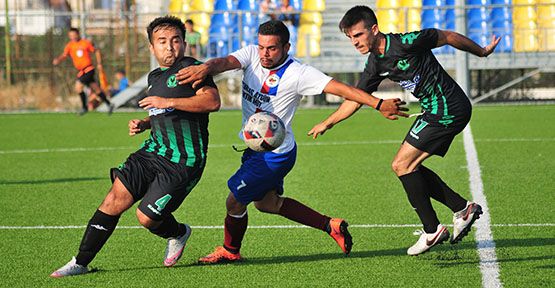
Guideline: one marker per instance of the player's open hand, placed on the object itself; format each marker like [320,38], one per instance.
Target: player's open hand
[391,108]
[319,129]
[136,126]
[155,102]
[491,47]
[194,74]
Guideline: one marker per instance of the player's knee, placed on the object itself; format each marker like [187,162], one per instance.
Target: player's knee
[264,207]
[146,221]
[399,167]
[115,204]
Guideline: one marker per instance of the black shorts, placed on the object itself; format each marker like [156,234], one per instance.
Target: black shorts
[432,137]
[87,78]
[161,184]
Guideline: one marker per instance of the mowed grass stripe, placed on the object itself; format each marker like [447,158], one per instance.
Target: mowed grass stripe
[370,226]
[321,143]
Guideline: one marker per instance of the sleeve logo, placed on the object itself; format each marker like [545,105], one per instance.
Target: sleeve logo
[409,38]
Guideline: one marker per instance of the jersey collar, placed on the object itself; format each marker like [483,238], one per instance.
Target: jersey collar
[387,42]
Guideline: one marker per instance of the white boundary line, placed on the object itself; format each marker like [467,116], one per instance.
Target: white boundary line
[363,226]
[323,143]
[484,238]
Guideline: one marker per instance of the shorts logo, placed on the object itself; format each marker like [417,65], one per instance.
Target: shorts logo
[417,127]
[162,202]
[272,80]
[242,185]
[172,82]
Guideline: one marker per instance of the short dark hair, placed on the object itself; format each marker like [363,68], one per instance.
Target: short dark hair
[121,70]
[165,22]
[357,14]
[189,21]
[73,29]
[277,28]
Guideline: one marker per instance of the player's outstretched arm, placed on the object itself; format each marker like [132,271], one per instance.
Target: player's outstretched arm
[390,108]
[197,73]
[344,111]
[463,43]
[98,56]
[59,59]
[137,126]
[207,99]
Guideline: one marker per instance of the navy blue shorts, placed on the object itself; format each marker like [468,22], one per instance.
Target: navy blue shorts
[260,172]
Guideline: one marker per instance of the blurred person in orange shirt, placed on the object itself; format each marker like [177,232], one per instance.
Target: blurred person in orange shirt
[79,50]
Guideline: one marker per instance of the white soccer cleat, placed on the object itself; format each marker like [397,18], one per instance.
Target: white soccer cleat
[175,247]
[70,269]
[463,220]
[427,241]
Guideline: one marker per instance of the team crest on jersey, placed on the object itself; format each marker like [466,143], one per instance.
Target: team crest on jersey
[272,80]
[79,53]
[172,82]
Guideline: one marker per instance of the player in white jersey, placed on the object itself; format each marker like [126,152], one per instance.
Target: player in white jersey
[273,81]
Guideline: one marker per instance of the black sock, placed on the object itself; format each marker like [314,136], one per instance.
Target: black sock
[416,186]
[441,192]
[84,100]
[98,231]
[103,97]
[169,228]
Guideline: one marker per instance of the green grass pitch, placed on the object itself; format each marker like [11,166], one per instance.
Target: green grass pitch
[54,172]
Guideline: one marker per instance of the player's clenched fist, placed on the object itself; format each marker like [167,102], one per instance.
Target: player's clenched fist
[137,126]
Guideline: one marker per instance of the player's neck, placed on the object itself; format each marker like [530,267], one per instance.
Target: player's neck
[379,44]
[281,61]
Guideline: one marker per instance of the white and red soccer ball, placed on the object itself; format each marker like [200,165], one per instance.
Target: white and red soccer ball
[264,131]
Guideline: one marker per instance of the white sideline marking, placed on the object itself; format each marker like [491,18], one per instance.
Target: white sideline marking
[324,143]
[484,238]
[366,226]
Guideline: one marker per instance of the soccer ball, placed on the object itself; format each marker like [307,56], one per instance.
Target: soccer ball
[264,131]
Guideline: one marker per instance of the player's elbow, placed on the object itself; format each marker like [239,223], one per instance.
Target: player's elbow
[214,106]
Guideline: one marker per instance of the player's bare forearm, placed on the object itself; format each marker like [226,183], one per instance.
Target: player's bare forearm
[388,108]
[98,57]
[463,43]
[206,100]
[195,74]
[345,110]
[59,59]
[351,93]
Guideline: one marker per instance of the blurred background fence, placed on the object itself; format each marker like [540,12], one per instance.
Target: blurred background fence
[34,32]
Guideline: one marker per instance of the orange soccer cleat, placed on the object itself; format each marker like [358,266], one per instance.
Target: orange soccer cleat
[220,255]
[339,233]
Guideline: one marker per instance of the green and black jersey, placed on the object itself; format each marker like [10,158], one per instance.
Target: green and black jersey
[409,61]
[179,136]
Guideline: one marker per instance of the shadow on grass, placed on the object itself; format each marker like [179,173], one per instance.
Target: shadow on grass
[450,258]
[48,181]
[270,260]
[446,255]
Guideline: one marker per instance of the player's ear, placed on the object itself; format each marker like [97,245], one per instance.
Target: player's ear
[151,48]
[375,29]
[286,48]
